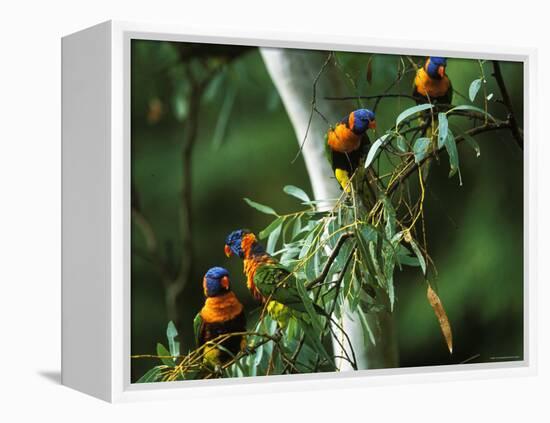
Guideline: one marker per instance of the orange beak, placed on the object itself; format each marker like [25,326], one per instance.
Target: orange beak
[225,282]
[441,71]
[372,124]
[227,250]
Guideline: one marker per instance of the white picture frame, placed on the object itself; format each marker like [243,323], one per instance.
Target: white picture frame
[96,213]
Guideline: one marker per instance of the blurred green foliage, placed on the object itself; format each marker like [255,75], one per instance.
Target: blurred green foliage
[244,148]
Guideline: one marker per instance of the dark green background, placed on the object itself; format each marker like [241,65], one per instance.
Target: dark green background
[475,231]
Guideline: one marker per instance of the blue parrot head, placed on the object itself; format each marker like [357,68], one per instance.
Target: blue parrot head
[234,244]
[216,282]
[435,67]
[360,120]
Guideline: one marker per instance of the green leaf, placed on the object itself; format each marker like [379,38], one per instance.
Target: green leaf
[374,149]
[472,108]
[377,262]
[402,144]
[258,355]
[273,238]
[365,325]
[197,322]
[308,304]
[315,331]
[418,253]
[450,146]
[314,337]
[260,207]
[152,375]
[363,248]
[411,111]
[474,88]
[407,260]
[271,227]
[297,227]
[420,149]
[164,353]
[296,192]
[443,129]
[389,254]
[472,143]
[389,214]
[171,334]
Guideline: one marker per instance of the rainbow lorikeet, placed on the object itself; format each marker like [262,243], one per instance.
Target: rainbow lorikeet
[431,83]
[267,279]
[348,143]
[221,314]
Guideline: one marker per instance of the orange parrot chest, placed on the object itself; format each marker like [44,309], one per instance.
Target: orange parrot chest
[429,87]
[343,139]
[221,309]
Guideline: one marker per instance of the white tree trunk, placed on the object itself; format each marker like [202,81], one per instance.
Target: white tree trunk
[293,73]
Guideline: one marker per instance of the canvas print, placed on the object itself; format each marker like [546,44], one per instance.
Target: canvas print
[301,211]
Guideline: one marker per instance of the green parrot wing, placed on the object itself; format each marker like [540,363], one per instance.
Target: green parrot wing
[274,281]
[197,328]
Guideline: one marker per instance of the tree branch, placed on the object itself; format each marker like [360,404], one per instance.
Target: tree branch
[319,279]
[369,97]
[514,126]
[412,166]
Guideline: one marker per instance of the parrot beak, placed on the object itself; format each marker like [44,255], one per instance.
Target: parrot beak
[227,250]
[225,282]
[441,71]
[372,124]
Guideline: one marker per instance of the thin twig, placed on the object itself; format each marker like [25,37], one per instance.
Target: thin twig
[329,261]
[313,105]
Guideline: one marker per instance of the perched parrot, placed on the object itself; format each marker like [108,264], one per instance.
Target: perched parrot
[221,314]
[267,280]
[348,143]
[431,83]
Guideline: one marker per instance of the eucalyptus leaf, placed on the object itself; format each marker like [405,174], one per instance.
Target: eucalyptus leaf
[260,207]
[365,325]
[418,253]
[297,227]
[450,146]
[152,375]
[408,260]
[271,227]
[443,129]
[472,108]
[402,144]
[420,149]
[171,334]
[374,149]
[165,355]
[296,192]
[472,143]
[411,111]
[474,89]
[273,238]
